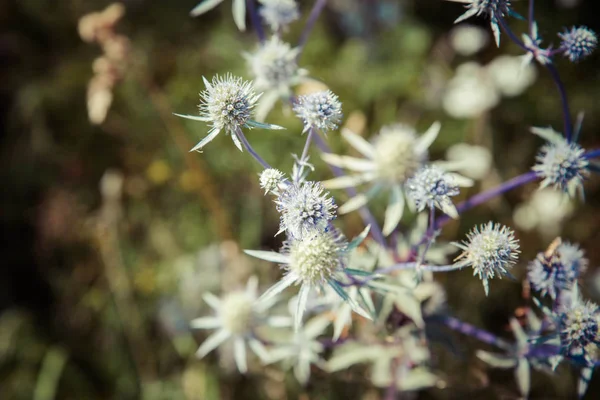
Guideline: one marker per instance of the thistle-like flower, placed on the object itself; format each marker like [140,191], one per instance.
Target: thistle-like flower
[270,179]
[278,14]
[227,103]
[491,250]
[275,71]
[319,110]
[312,262]
[431,187]
[579,322]
[557,268]
[561,164]
[578,43]
[238,9]
[494,9]
[236,317]
[305,208]
[393,157]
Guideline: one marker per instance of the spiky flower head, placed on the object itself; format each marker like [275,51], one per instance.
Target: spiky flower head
[491,250]
[432,187]
[578,326]
[279,14]
[274,65]
[563,166]
[319,110]
[557,268]
[494,9]
[305,208]
[314,259]
[578,43]
[270,179]
[398,154]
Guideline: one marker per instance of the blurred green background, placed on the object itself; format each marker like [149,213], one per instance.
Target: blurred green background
[111,231]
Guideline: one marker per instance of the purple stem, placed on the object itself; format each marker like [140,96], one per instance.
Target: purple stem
[364,211]
[255,20]
[473,331]
[310,23]
[482,197]
[543,351]
[592,154]
[531,16]
[568,124]
[248,147]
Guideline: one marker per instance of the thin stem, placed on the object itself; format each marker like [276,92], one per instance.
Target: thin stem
[310,23]
[531,15]
[592,154]
[365,213]
[470,330]
[510,33]
[482,197]
[568,125]
[255,20]
[247,146]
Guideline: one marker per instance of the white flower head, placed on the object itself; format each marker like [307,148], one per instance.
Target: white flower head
[395,154]
[279,14]
[432,187]
[561,164]
[467,40]
[470,92]
[274,66]
[491,250]
[319,110]
[237,314]
[579,324]
[304,208]
[270,179]
[510,76]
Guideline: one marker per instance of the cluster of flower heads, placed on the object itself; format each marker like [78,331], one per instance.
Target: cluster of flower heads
[390,284]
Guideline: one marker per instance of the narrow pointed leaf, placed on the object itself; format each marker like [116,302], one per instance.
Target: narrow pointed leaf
[239,14]
[255,124]
[268,256]
[204,6]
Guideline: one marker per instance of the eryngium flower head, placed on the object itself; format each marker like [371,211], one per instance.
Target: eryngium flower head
[270,179]
[432,187]
[491,250]
[493,8]
[578,328]
[578,43]
[398,152]
[274,65]
[279,13]
[557,268]
[305,208]
[563,166]
[319,110]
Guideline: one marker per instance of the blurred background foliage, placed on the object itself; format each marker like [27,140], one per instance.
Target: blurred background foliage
[112,231]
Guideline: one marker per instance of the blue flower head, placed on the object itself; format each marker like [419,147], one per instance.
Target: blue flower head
[578,43]
[578,326]
[319,110]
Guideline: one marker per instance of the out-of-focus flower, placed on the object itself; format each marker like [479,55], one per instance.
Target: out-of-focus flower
[470,92]
[319,110]
[557,268]
[510,76]
[395,154]
[469,160]
[237,314]
[467,40]
[278,14]
[545,211]
[238,9]
[578,43]
[491,250]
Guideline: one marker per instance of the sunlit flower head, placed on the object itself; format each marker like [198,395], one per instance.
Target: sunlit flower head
[394,156]
[561,164]
[270,179]
[578,43]
[491,250]
[319,110]
[237,314]
[557,268]
[305,208]
[279,14]
[431,187]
